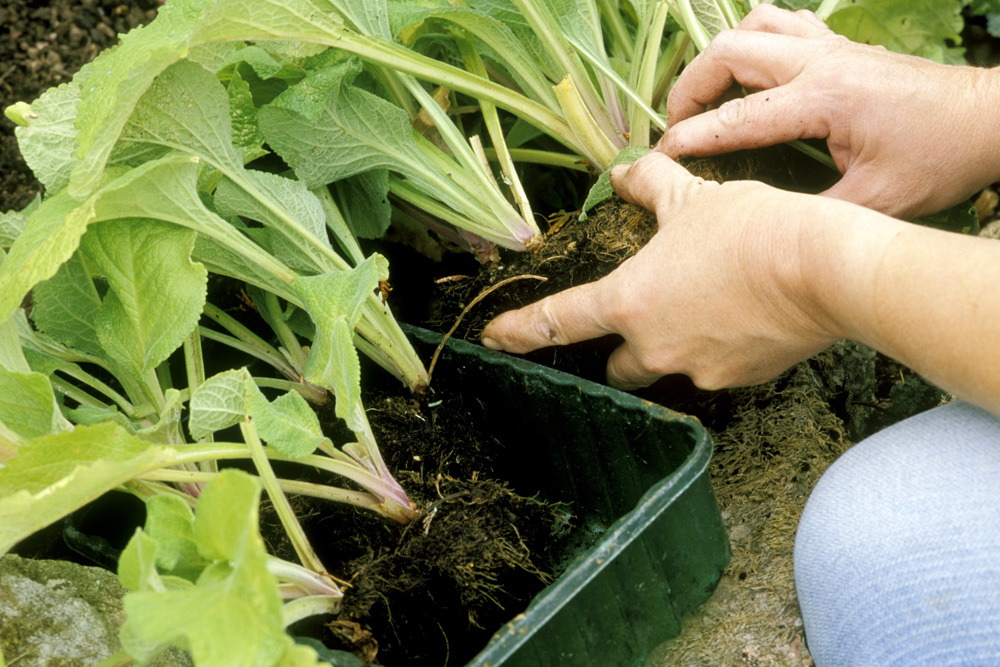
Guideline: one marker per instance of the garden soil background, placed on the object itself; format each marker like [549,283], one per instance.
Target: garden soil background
[772,442]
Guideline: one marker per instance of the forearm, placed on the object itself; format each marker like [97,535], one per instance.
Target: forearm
[921,296]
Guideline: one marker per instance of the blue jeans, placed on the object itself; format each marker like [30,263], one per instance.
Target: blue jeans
[897,556]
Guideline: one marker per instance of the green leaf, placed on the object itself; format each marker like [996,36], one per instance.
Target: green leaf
[287,424]
[12,222]
[156,292]
[327,129]
[67,307]
[55,474]
[602,190]
[117,81]
[137,564]
[280,20]
[11,353]
[900,26]
[167,429]
[233,615]
[187,109]
[364,202]
[28,405]
[52,232]
[283,205]
[51,235]
[220,402]
[48,139]
[961,219]
[334,302]
[246,133]
[170,522]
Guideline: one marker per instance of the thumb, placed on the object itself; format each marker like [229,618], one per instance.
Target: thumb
[654,180]
[625,370]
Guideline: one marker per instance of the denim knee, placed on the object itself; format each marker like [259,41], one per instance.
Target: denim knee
[897,556]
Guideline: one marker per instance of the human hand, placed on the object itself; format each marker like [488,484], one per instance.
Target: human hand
[911,137]
[716,294]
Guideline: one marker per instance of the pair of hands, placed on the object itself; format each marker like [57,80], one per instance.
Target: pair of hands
[724,292]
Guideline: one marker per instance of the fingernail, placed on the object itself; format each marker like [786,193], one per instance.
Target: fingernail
[492,344]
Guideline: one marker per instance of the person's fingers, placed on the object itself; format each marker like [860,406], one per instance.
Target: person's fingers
[752,59]
[768,18]
[567,317]
[625,371]
[762,119]
[653,180]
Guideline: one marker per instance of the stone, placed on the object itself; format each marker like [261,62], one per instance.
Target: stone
[61,614]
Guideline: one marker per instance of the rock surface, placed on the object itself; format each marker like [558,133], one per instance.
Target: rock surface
[61,614]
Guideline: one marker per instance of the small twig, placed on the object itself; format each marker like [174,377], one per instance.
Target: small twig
[482,295]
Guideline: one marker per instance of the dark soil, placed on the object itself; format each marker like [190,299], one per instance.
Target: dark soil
[435,591]
[42,44]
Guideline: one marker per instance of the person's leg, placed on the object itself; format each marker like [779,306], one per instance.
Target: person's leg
[897,556]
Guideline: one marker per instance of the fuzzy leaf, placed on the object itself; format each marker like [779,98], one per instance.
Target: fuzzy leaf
[118,79]
[156,292]
[602,190]
[12,222]
[187,109]
[334,302]
[137,564]
[900,26]
[55,474]
[51,235]
[279,20]
[364,202]
[246,133]
[48,141]
[220,402]
[170,521]
[67,307]
[28,405]
[298,217]
[233,615]
[327,129]
[287,424]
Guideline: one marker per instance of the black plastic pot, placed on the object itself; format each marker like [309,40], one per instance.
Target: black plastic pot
[652,544]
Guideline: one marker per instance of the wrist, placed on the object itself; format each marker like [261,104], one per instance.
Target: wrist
[840,247]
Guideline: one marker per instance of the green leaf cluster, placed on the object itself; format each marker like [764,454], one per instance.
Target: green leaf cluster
[200,581]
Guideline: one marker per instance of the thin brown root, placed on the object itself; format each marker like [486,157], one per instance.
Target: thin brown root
[482,295]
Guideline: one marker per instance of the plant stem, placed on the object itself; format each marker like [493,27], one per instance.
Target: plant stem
[338,225]
[309,392]
[644,78]
[285,512]
[312,605]
[616,26]
[342,465]
[544,25]
[245,340]
[74,392]
[535,156]
[668,66]
[287,337]
[602,150]
[489,111]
